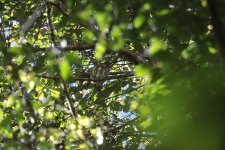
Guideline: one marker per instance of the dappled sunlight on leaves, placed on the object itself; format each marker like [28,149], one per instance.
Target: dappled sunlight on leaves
[112,74]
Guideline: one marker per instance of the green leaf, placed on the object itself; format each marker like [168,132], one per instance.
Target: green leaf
[118,41]
[89,36]
[204,3]
[142,71]
[163,12]
[144,110]
[156,46]
[73,58]
[145,124]
[65,69]
[1,115]
[103,19]
[138,21]
[15,50]
[147,6]
[212,50]
[12,99]
[116,32]
[100,50]
[5,127]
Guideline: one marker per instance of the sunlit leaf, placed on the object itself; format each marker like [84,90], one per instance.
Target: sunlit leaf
[156,46]
[15,50]
[65,69]
[100,50]
[73,58]
[145,124]
[138,21]
[163,12]
[212,50]
[142,71]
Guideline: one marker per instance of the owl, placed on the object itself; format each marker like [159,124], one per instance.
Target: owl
[100,71]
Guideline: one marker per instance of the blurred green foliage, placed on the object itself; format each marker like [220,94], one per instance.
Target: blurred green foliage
[115,74]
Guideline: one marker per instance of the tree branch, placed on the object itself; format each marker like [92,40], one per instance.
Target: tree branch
[90,79]
[125,53]
[66,14]
[83,47]
[60,8]
[122,126]
[37,12]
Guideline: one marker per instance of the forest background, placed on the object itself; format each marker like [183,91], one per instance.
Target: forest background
[119,74]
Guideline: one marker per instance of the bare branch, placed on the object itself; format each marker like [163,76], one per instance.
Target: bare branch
[32,19]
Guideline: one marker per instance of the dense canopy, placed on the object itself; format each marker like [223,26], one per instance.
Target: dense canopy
[119,74]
